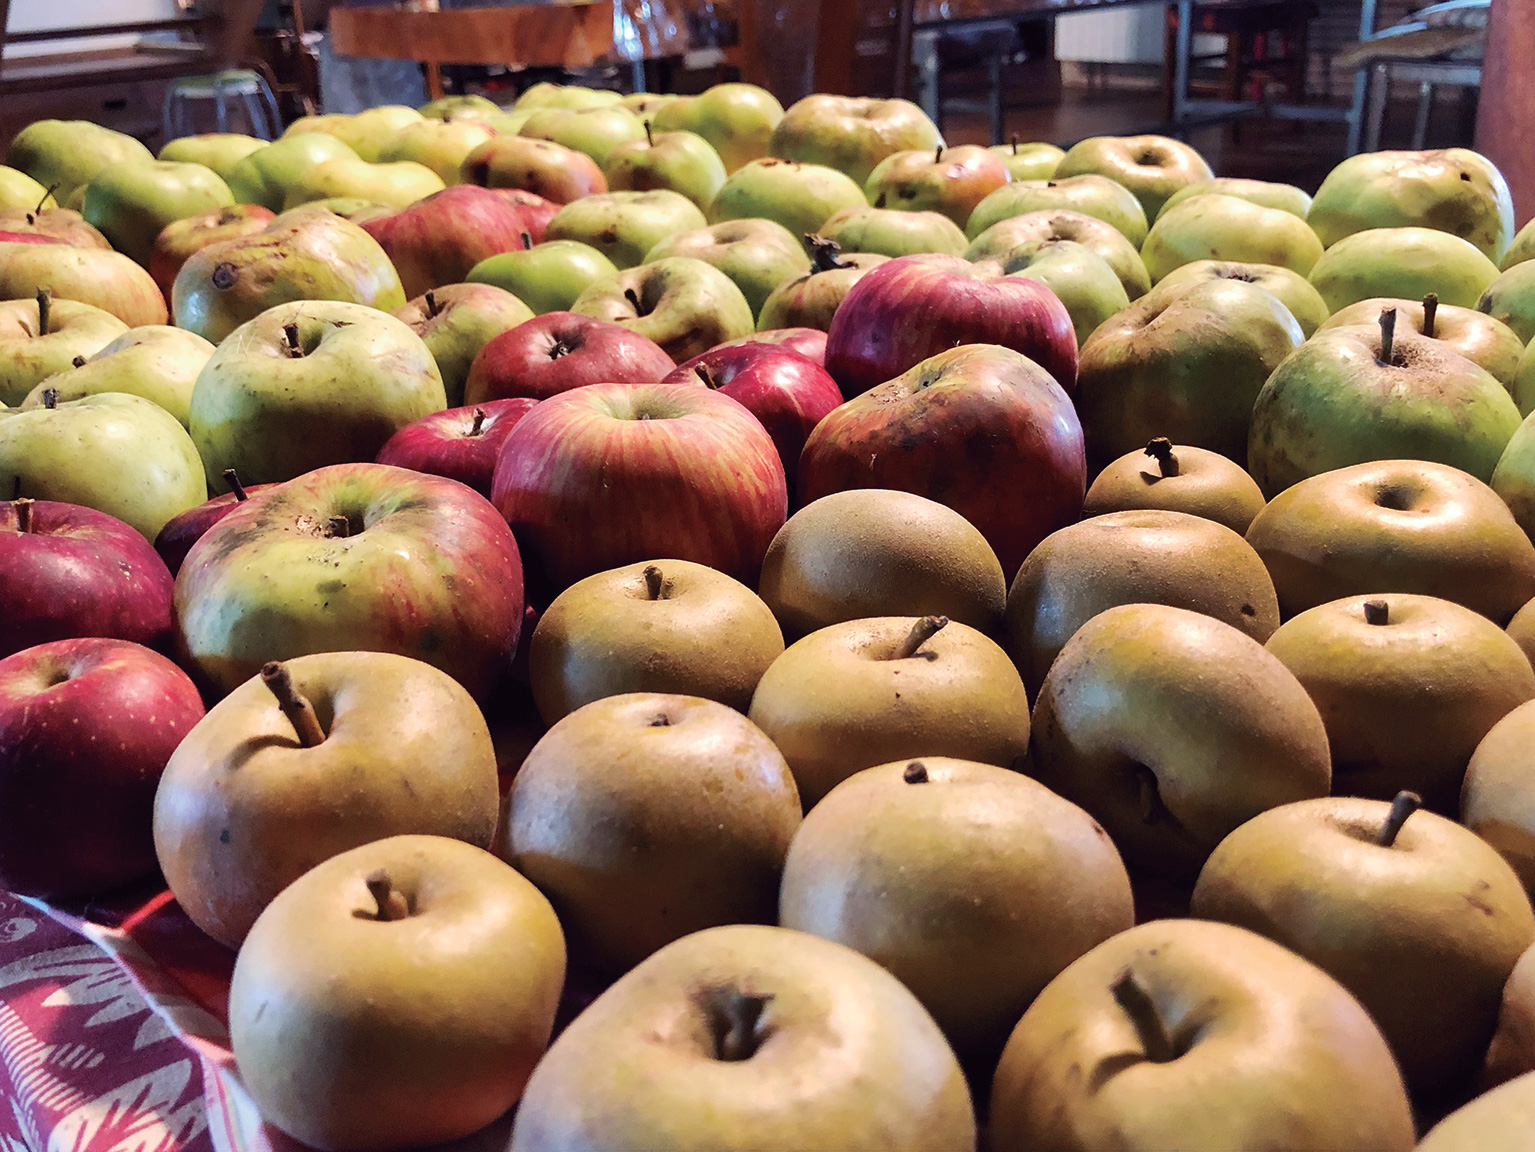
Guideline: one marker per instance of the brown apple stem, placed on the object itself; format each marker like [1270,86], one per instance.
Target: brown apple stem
[825,254]
[391,902]
[921,632]
[1015,144]
[232,478]
[1405,804]
[649,139]
[1377,612]
[297,708]
[290,334]
[655,583]
[916,773]
[44,310]
[78,362]
[338,527]
[1387,334]
[706,376]
[735,1020]
[52,188]
[938,154]
[527,241]
[478,427]
[432,307]
[23,508]
[1430,311]
[50,398]
[1162,449]
[634,301]
[1137,1004]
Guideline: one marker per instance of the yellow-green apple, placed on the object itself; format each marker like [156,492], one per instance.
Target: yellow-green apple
[1522,629]
[1407,685]
[545,94]
[460,107]
[609,474]
[684,162]
[220,151]
[925,430]
[1293,290]
[656,626]
[1514,477]
[67,571]
[738,119]
[750,1037]
[811,299]
[306,385]
[42,337]
[1029,161]
[1177,478]
[895,863]
[683,304]
[872,340]
[950,181]
[1172,729]
[1217,227]
[880,552]
[441,145]
[893,231]
[1407,263]
[132,200]
[116,453]
[547,277]
[1187,368]
[1091,195]
[63,155]
[1453,190]
[758,255]
[630,799]
[1497,801]
[18,190]
[159,363]
[550,170]
[558,351]
[60,225]
[1522,249]
[265,176]
[1138,557]
[369,132]
[1285,197]
[397,184]
[1129,1046]
[459,443]
[645,104]
[1019,235]
[625,226]
[438,239]
[455,321]
[597,132]
[183,530]
[851,133]
[178,240]
[1416,916]
[799,196]
[1152,167]
[86,728]
[1395,526]
[310,255]
[1082,280]
[399,994]
[1350,395]
[1476,336]
[97,276]
[1511,299]
[1499,1118]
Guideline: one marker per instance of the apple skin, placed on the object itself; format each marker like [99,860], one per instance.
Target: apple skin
[60,225]
[558,351]
[543,167]
[1483,340]
[548,277]
[626,226]
[947,180]
[979,428]
[220,151]
[175,540]
[29,356]
[441,145]
[1217,227]
[893,231]
[682,161]
[455,321]
[597,132]
[1017,235]
[264,176]
[159,363]
[536,210]
[1291,289]
[611,474]
[1402,262]
[426,550]
[459,443]
[18,190]
[1285,197]
[1511,299]
[851,133]
[86,728]
[872,338]
[812,299]
[78,572]
[684,305]
[1090,194]
[180,238]
[788,393]
[808,342]
[738,119]
[1152,167]
[438,239]
[798,196]
[1030,161]
[132,200]
[68,153]
[106,279]
[1081,279]
[758,255]
[396,184]
[1514,477]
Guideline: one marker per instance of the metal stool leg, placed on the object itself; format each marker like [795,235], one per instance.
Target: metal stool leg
[1375,112]
[994,103]
[1425,106]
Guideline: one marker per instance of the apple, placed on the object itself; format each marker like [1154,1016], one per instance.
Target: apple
[1495,803]
[950,181]
[132,200]
[1522,249]
[1514,477]
[179,239]
[99,277]
[683,304]
[547,277]
[558,351]
[175,540]
[459,443]
[86,727]
[1290,288]
[67,571]
[1152,167]
[1285,197]
[1029,161]
[551,170]
[683,162]
[64,154]
[438,239]
[1511,299]
[42,337]
[58,225]
[893,231]
[545,94]
[159,363]
[798,196]
[368,132]
[1177,478]
[1406,263]
[808,342]
[812,299]
[614,473]
[597,132]
[980,428]
[1019,235]
[1092,195]
[757,255]
[1481,339]
[265,176]
[219,151]
[626,226]
[441,145]
[851,134]
[738,119]
[1497,1117]
[872,340]
[1218,227]
[18,190]
[536,211]
[397,184]
[1082,281]
[455,321]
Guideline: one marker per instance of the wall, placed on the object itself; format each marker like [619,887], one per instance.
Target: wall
[40,15]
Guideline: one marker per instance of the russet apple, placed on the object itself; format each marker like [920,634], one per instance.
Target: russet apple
[1497,801]
[1177,478]
[1499,1118]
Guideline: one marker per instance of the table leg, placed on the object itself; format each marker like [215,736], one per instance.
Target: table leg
[1185,39]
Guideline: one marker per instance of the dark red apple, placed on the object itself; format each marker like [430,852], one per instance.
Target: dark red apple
[436,240]
[914,307]
[459,443]
[614,473]
[68,571]
[181,532]
[980,428]
[788,392]
[558,351]
[808,342]
[536,211]
[86,727]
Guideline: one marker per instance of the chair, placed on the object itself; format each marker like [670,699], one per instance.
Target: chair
[246,85]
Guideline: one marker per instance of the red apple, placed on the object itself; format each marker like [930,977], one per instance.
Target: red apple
[86,727]
[979,428]
[67,571]
[611,474]
[914,307]
[181,532]
[436,240]
[788,392]
[28,238]
[539,166]
[536,211]
[558,351]
[808,342]
[459,443]
[179,239]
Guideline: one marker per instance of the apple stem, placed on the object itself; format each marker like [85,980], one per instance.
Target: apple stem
[50,398]
[825,254]
[432,307]
[916,773]
[735,1019]
[478,427]
[654,582]
[921,632]
[527,241]
[52,188]
[706,376]
[23,508]
[297,708]
[1430,311]
[44,310]
[391,903]
[232,478]
[1015,144]
[1405,804]
[1162,448]
[290,334]
[938,154]
[78,362]
[1387,334]
[1138,1005]
[634,301]
[338,527]
[1377,612]
[649,139]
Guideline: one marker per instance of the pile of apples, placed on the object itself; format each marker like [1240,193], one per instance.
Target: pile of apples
[870,642]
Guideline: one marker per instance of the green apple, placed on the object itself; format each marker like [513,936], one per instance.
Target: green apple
[801,197]
[265,175]
[893,231]
[398,184]
[456,321]
[1285,197]
[851,133]
[1092,195]
[683,304]
[594,131]
[811,299]
[1408,263]
[310,254]
[1453,190]
[469,106]
[1018,234]
[98,276]
[1514,477]
[625,226]
[1511,299]
[681,161]
[1293,290]
[1031,161]
[132,200]
[1151,167]
[1080,278]
[738,119]
[65,154]
[353,208]
[157,362]
[1522,249]
[1524,381]
[646,104]
[1217,227]
[306,385]
[1476,336]
[574,96]
[947,180]
[43,336]
[369,132]
[220,151]
[547,277]
[441,145]
[18,190]
[758,255]
[119,454]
